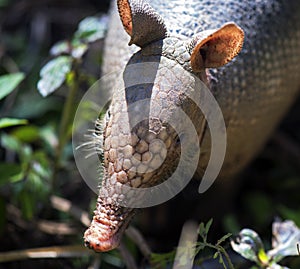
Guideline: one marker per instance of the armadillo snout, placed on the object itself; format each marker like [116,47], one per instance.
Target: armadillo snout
[147,159]
[107,226]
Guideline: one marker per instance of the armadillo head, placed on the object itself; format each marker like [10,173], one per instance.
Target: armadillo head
[144,128]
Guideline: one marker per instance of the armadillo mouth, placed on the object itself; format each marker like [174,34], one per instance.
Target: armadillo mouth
[94,241]
[101,240]
[104,235]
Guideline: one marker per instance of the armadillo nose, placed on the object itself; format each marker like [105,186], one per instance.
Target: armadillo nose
[107,227]
[94,240]
[99,247]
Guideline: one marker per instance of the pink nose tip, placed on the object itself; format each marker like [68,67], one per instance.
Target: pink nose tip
[100,241]
[99,247]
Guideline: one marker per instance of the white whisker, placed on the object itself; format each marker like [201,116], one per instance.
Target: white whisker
[91,154]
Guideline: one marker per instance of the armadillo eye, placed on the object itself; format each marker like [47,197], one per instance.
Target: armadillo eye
[179,138]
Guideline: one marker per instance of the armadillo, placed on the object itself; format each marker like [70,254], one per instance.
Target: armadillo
[247,53]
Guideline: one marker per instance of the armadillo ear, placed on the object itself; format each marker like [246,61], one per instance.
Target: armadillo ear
[141,22]
[215,48]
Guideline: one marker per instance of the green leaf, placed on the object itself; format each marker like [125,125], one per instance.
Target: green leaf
[201,230]
[8,122]
[286,236]
[27,134]
[262,256]
[9,82]
[53,74]
[8,171]
[25,153]
[41,165]
[91,29]
[204,229]
[223,239]
[221,261]
[28,205]
[60,48]
[79,49]
[248,244]
[49,137]
[10,143]
[208,225]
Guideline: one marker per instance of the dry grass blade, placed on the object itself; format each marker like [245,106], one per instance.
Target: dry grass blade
[139,240]
[127,257]
[47,252]
[67,206]
[56,228]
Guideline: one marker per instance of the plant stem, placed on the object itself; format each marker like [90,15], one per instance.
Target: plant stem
[223,251]
[67,117]
[46,252]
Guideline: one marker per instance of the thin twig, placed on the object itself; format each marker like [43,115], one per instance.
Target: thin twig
[47,252]
[127,257]
[66,206]
[96,263]
[64,133]
[46,226]
[139,240]
[222,251]
[56,228]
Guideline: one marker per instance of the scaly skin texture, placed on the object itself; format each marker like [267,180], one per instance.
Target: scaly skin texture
[254,91]
[136,158]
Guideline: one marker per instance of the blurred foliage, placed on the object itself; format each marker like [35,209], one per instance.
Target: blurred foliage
[285,242]
[38,152]
[36,159]
[217,251]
